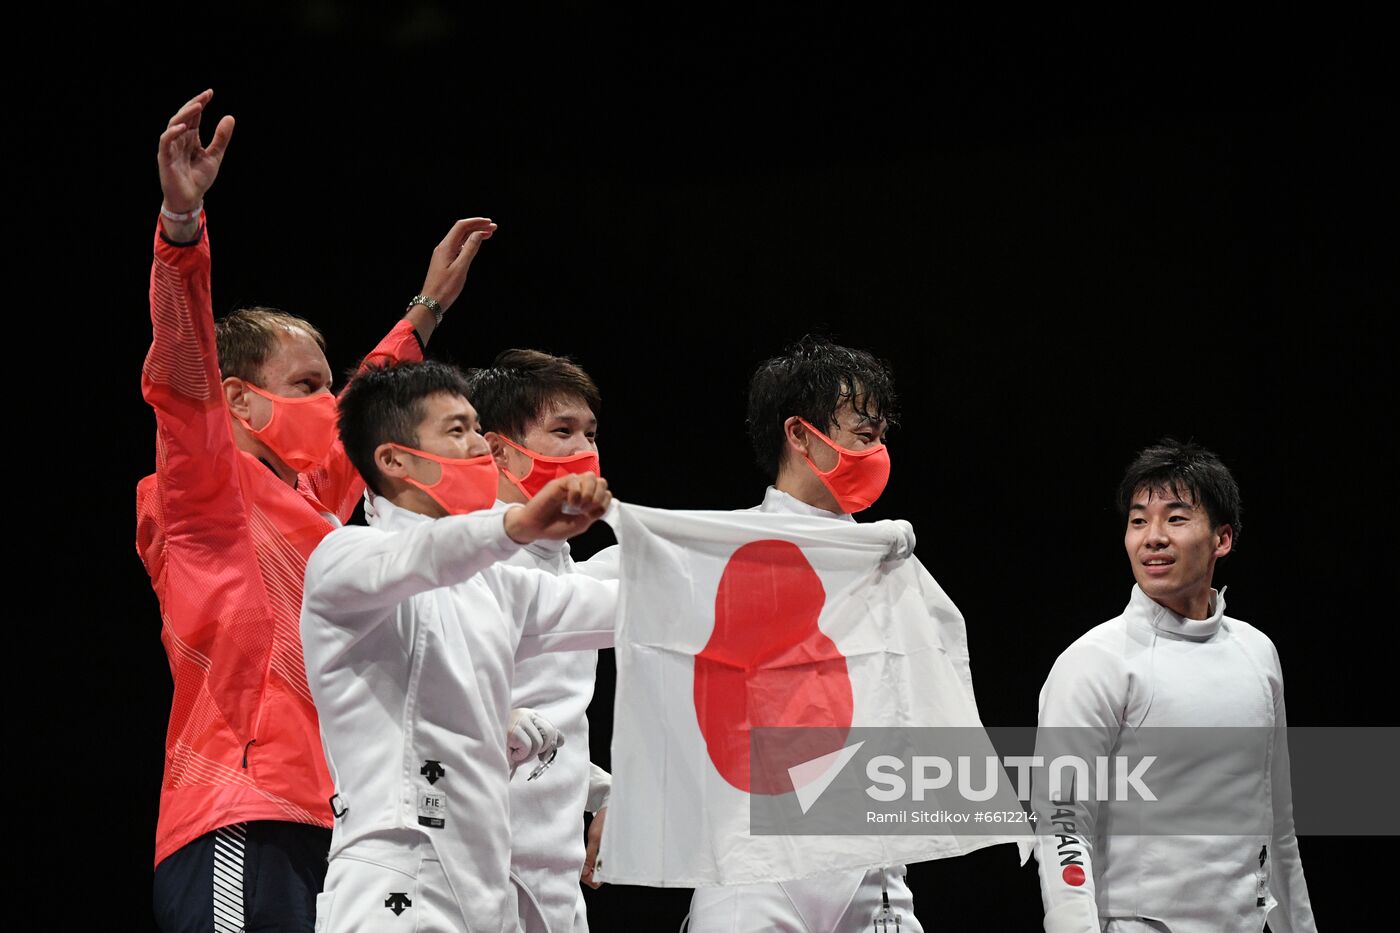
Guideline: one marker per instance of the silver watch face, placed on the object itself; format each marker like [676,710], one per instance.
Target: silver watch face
[430,303]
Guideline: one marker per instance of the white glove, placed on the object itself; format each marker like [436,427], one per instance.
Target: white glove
[902,538]
[530,735]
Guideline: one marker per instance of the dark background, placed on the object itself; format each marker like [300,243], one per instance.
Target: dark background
[1068,235]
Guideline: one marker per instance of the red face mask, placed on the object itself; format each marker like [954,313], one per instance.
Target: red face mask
[301,431]
[465,485]
[859,475]
[543,469]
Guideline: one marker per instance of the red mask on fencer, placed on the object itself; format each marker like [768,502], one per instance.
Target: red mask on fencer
[544,469]
[859,475]
[466,484]
[301,430]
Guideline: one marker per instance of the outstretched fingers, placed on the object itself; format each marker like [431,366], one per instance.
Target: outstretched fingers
[222,134]
[169,140]
[182,132]
[190,112]
[474,243]
[466,236]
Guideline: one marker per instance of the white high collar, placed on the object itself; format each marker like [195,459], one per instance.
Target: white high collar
[1166,622]
[775,500]
[381,513]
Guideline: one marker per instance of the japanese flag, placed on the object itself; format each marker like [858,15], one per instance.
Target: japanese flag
[735,621]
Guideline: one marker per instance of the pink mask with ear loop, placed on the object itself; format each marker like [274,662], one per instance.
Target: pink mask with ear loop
[859,475]
[301,431]
[544,469]
[466,484]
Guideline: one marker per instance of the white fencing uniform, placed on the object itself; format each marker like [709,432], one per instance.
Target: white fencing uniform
[1150,667]
[546,814]
[410,630]
[833,902]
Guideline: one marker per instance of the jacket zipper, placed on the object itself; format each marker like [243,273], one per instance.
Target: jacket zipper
[1263,888]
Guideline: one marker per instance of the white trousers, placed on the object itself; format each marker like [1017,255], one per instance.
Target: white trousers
[836,902]
[532,916]
[370,892]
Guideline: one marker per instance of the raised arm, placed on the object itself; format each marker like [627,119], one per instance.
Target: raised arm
[187,168]
[356,573]
[573,612]
[336,483]
[196,460]
[447,272]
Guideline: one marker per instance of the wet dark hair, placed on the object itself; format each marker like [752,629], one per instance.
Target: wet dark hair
[519,385]
[1186,471]
[811,380]
[385,404]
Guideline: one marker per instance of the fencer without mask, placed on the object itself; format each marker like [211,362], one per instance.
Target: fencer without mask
[301,430]
[859,475]
[466,484]
[544,469]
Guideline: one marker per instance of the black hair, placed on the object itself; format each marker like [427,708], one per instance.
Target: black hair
[384,404]
[513,392]
[1186,471]
[811,380]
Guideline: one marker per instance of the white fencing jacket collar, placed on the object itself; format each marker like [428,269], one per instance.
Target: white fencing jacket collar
[1143,609]
[775,500]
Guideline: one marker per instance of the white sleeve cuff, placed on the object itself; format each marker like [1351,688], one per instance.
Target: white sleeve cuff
[1079,915]
[599,788]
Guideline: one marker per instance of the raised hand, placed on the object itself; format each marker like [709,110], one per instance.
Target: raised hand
[187,168]
[447,272]
[565,507]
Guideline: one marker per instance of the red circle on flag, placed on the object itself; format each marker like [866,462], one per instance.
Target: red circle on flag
[767,664]
[1073,875]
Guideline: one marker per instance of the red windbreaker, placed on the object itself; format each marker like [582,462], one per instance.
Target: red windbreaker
[225,542]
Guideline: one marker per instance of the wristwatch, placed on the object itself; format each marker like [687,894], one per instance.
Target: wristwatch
[429,303]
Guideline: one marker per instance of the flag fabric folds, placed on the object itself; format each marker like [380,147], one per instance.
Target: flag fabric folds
[731,622]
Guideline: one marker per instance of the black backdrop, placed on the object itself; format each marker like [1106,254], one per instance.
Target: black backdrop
[1068,236]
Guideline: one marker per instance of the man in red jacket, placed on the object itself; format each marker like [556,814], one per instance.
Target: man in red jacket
[249,478]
